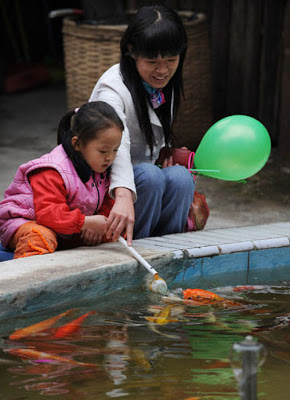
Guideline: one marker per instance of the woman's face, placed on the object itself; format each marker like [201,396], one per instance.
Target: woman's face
[157,72]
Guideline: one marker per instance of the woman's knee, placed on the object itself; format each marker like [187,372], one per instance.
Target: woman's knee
[180,178]
[149,176]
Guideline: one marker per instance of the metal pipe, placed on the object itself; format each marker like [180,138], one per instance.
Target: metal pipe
[245,358]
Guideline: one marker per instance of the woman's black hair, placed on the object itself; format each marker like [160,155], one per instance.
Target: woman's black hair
[154,31]
[87,121]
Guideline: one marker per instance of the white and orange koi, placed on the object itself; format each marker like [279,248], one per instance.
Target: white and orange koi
[41,356]
[162,317]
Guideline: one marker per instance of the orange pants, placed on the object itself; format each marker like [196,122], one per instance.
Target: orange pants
[32,239]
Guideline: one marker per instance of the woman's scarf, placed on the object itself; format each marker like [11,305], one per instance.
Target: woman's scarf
[156,95]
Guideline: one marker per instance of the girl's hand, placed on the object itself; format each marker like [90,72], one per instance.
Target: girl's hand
[122,216]
[90,238]
[93,229]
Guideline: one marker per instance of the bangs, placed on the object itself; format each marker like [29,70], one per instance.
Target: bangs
[162,39]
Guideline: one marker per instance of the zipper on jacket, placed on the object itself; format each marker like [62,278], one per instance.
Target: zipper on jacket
[96,186]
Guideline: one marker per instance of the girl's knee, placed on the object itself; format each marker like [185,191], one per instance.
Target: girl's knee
[33,239]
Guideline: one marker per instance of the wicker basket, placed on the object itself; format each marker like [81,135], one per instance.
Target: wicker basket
[89,50]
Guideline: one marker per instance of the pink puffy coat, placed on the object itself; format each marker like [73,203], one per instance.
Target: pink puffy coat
[17,207]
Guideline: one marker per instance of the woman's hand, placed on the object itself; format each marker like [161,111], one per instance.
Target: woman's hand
[168,162]
[93,229]
[122,216]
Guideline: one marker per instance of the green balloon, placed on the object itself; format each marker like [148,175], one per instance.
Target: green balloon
[234,148]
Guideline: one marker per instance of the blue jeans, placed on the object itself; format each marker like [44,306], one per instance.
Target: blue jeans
[163,199]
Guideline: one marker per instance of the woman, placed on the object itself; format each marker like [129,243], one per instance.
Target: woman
[145,89]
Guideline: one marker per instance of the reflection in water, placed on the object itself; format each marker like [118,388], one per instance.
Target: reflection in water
[147,347]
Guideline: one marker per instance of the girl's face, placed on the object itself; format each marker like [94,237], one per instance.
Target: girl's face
[157,72]
[100,153]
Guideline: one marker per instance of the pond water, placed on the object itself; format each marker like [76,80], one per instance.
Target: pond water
[137,344]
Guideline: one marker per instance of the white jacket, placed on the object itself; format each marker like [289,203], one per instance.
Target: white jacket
[133,150]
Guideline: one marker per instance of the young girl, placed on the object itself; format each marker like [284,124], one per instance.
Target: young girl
[145,89]
[57,200]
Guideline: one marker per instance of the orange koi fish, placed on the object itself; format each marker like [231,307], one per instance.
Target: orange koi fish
[40,326]
[217,364]
[71,327]
[200,295]
[193,398]
[51,346]
[45,357]
[243,288]
[205,297]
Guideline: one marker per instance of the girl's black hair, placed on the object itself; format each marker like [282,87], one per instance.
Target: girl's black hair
[155,30]
[88,121]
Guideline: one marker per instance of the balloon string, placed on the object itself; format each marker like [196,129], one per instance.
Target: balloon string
[196,170]
[204,170]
